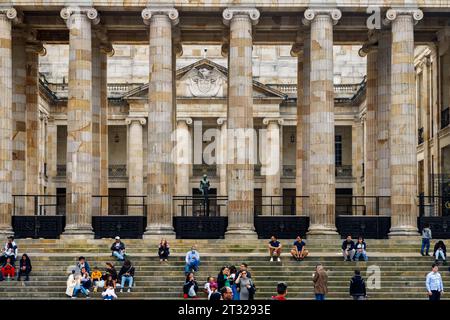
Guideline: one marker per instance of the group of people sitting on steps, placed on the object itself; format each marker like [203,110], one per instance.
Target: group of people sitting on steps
[82,279]
[8,260]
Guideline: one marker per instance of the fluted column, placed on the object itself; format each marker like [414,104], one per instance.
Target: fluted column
[271,166]
[101,50]
[383,171]
[161,122]
[240,162]
[184,157]
[322,166]
[297,51]
[79,123]
[222,157]
[52,140]
[369,50]
[357,156]
[33,129]
[402,127]
[6,17]
[135,164]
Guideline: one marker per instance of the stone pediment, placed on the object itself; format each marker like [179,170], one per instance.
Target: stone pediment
[206,79]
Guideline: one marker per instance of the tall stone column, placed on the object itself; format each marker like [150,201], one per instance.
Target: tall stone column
[101,50]
[402,126]
[222,157]
[297,51]
[240,159]
[357,156]
[369,50]
[52,140]
[135,165]
[321,162]
[383,171]
[79,123]
[19,138]
[305,119]
[33,129]
[6,203]
[161,122]
[184,157]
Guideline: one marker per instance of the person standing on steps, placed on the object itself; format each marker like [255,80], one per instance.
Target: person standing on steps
[358,287]
[281,292]
[246,287]
[274,249]
[192,261]
[299,251]
[320,280]
[434,285]
[118,249]
[440,251]
[244,267]
[204,189]
[426,237]
[348,249]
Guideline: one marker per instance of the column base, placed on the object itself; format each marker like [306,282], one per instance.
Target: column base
[322,232]
[6,232]
[403,233]
[240,233]
[76,232]
[157,232]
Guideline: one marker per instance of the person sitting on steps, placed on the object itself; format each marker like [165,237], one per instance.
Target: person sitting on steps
[9,251]
[274,248]
[126,274]
[361,249]
[348,249]
[299,251]
[82,263]
[24,267]
[8,270]
[192,261]
[190,286]
[440,251]
[118,249]
[163,250]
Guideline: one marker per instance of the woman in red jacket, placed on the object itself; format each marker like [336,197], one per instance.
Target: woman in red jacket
[8,270]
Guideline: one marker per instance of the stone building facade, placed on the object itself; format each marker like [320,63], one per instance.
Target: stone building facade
[127,111]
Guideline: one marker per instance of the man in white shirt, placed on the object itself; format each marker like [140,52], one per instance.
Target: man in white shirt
[434,284]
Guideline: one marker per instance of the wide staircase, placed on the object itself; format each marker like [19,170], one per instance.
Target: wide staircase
[401,269]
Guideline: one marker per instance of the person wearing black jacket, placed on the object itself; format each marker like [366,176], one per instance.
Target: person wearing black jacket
[126,274]
[110,270]
[24,267]
[348,248]
[440,251]
[190,287]
[358,287]
[118,249]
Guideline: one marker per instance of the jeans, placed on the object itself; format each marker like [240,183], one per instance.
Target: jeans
[118,255]
[78,289]
[425,245]
[439,252]
[320,297]
[192,266]
[124,280]
[363,254]
[435,295]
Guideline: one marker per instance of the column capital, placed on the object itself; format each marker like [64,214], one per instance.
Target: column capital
[105,45]
[187,120]
[36,47]
[267,121]
[150,12]
[311,13]
[297,50]
[232,12]
[394,13]
[221,121]
[91,13]
[130,120]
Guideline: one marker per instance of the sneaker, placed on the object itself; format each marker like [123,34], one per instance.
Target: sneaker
[129,290]
[88,297]
[74,297]
[271,259]
[279,260]
[121,290]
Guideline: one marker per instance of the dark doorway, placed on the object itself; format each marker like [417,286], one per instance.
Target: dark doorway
[117,204]
[61,201]
[199,208]
[344,202]
[289,202]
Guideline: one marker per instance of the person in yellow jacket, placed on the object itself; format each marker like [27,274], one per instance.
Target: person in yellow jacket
[97,279]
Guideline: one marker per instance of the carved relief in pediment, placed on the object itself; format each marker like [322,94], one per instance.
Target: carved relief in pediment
[204,82]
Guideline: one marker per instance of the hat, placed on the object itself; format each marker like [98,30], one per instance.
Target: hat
[117,238]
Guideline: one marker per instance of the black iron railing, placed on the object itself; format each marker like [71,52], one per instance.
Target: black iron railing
[420,138]
[445,118]
[279,205]
[200,206]
[361,205]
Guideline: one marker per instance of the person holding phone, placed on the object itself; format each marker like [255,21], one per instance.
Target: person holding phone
[246,288]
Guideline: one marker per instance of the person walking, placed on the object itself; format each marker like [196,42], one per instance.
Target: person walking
[433,282]
[320,280]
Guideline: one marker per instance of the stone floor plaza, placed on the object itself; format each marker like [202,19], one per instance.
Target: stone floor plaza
[312,118]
